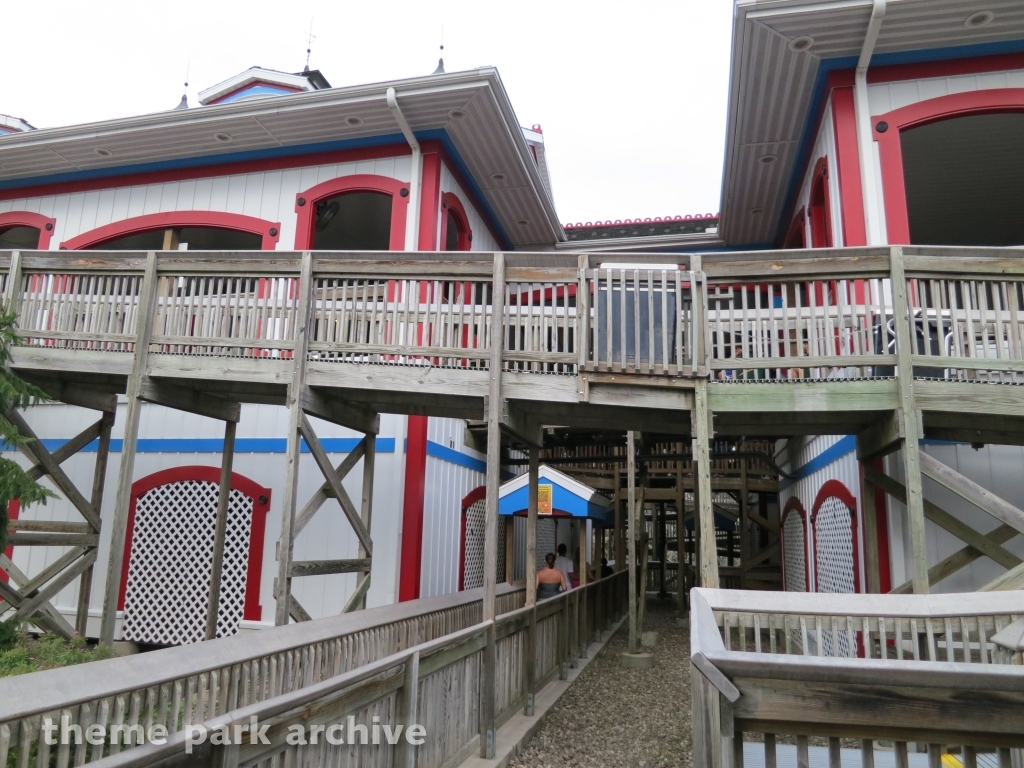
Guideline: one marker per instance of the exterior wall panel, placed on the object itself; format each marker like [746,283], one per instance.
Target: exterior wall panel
[328,535]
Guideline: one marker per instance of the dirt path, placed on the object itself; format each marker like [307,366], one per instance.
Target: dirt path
[618,718]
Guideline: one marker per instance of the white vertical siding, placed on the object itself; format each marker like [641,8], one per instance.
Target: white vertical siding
[824,146]
[268,195]
[445,487]
[806,489]
[482,238]
[328,535]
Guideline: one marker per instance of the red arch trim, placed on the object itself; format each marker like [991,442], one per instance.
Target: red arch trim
[468,500]
[796,236]
[897,221]
[836,489]
[821,224]
[270,231]
[451,202]
[27,219]
[794,505]
[252,611]
[360,182]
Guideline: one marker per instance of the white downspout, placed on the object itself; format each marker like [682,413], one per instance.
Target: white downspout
[865,140]
[412,220]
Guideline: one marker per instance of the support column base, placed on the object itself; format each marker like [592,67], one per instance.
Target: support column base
[637,660]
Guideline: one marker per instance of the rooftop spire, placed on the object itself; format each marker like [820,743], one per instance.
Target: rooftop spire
[183,104]
[310,37]
[440,61]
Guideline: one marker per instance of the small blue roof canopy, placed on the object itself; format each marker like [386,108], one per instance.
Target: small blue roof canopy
[569,498]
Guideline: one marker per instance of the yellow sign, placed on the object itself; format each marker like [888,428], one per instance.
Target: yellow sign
[544,495]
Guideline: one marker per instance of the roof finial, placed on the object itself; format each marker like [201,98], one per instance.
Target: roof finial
[310,37]
[183,104]
[440,61]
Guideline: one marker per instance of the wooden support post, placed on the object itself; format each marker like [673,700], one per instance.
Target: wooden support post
[584,635]
[618,538]
[408,711]
[911,421]
[366,512]
[680,536]
[119,524]
[493,481]
[531,527]
[744,526]
[871,553]
[99,477]
[530,662]
[702,487]
[220,531]
[631,536]
[286,544]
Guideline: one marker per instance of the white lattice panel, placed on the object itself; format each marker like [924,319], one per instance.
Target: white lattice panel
[833,546]
[171,560]
[545,539]
[473,565]
[795,549]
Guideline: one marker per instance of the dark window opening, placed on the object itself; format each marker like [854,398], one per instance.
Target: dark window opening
[190,238]
[452,231]
[19,237]
[964,180]
[353,221]
[818,213]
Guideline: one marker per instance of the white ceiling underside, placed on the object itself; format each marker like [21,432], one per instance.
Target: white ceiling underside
[487,138]
[772,86]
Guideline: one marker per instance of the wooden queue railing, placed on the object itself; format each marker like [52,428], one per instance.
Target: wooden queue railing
[863,672]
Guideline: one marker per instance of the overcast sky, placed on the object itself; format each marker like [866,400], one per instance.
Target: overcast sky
[631,95]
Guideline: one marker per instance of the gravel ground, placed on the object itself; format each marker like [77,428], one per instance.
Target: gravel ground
[618,718]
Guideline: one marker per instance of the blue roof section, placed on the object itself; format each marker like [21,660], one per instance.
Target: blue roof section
[569,497]
[256,89]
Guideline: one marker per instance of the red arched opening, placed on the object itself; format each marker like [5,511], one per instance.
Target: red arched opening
[267,232]
[796,565]
[456,234]
[836,551]
[177,519]
[819,210]
[18,228]
[796,236]
[976,203]
[318,215]
[471,541]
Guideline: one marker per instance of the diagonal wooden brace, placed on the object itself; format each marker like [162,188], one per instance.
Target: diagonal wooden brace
[70,448]
[944,520]
[322,461]
[36,451]
[970,491]
[324,492]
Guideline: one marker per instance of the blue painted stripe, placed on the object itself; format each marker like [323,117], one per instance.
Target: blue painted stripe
[844,447]
[444,453]
[834,453]
[216,445]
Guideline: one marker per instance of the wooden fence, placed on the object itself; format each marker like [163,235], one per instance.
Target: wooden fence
[770,316]
[415,662]
[863,672]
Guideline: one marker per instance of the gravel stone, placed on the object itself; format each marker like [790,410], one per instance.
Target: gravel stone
[612,717]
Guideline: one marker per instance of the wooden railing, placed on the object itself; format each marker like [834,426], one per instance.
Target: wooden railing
[759,316]
[881,672]
[416,662]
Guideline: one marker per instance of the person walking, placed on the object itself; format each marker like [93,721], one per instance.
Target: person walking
[550,580]
[565,563]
